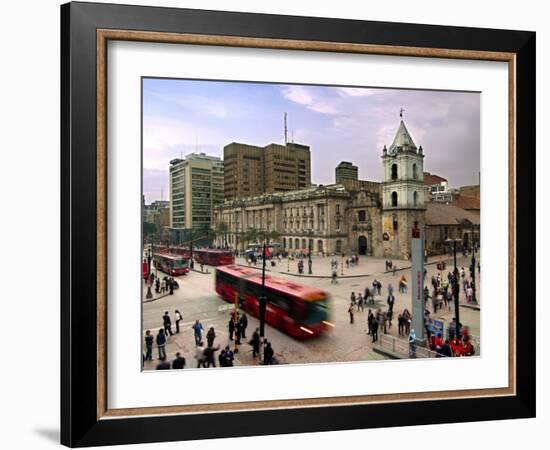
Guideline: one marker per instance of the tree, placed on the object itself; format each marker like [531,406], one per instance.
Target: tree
[222,230]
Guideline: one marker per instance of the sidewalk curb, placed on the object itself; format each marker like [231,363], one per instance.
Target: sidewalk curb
[387,353]
[156,298]
[474,307]
[329,276]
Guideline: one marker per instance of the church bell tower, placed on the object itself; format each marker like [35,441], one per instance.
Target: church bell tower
[402,193]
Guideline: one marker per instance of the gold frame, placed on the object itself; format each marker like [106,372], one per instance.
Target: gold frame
[103,36]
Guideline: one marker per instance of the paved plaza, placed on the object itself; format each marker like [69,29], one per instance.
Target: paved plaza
[196,299]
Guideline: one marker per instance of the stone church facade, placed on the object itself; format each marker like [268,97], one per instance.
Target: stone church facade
[355,217]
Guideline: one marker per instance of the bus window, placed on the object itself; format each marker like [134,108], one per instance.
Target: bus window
[315,311]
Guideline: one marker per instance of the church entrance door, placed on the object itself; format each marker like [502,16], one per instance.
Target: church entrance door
[362,245]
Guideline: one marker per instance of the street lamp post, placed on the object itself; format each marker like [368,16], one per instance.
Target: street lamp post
[263,300]
[474,299]
[342,265]
[309,262]
[456,287]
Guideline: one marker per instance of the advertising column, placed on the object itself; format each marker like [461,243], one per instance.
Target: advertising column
[417,283]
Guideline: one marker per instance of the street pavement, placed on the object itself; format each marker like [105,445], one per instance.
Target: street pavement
[196,299]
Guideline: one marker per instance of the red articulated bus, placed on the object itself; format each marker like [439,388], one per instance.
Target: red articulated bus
[298,310]
[173,265]
[213,257]
[177,250]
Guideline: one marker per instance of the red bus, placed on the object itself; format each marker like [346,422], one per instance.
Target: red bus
[298,310]
[213,257]
[179,250]
[173,265]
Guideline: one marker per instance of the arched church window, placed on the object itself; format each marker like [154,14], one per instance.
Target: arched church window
[394,171]
[415,172]
[394,198]
[415,198]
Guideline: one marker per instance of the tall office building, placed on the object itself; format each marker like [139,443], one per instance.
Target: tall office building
[251,170]
[346,171]
[196,186]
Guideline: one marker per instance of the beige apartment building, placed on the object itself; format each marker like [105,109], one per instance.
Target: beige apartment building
[252,170]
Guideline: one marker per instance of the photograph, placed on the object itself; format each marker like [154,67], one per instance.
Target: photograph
[307,224]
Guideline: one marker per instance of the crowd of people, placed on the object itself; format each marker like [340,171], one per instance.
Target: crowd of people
[205,353]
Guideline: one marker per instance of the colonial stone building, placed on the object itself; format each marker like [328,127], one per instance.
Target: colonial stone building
[354,216]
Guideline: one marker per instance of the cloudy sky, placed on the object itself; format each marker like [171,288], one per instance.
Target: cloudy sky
[351,124]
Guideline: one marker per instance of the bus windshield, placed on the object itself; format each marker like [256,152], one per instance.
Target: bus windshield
[315,312]
[180,263]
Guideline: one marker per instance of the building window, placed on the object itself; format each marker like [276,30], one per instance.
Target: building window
[296,243]
[337,224]
[415,172]
[338,246]
[415,198]
[395,224]
[394,171]
[362,215]
[284,242]
[319,246]
[337,209]
[290,243]
[394,198]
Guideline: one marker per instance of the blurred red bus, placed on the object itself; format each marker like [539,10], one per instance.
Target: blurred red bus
[213,257]
[298,310]
[179,250]
[173,265]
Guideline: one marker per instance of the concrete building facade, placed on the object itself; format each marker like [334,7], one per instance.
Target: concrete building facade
[251,170]
[346,171]
[356,216]
[196,186]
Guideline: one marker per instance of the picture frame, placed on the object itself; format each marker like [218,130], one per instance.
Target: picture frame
[86,28]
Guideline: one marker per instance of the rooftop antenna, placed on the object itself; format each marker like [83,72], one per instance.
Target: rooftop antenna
[401,111]
[286,131]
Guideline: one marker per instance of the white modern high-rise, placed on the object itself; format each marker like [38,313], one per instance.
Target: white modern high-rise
[196,185]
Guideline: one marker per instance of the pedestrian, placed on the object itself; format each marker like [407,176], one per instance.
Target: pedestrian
[167,324]
[228,357]
[231,327]
[255,343]
[352,298]
[210,336]
[360,303]
[178,317]
[157,285]
[171,285]
[197,331]
[179,362]
[238,334]
[244,324]
[412,344]
[199,354]
[209,356]
[334,279]
[469,293]
[390,301]
[221,358]
[374,329]
[390,289]
[370,318]
[163,365]
[161,344]
[268,354]
[350,312]
[149,345]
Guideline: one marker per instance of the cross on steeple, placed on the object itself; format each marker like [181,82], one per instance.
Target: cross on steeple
[401,111]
